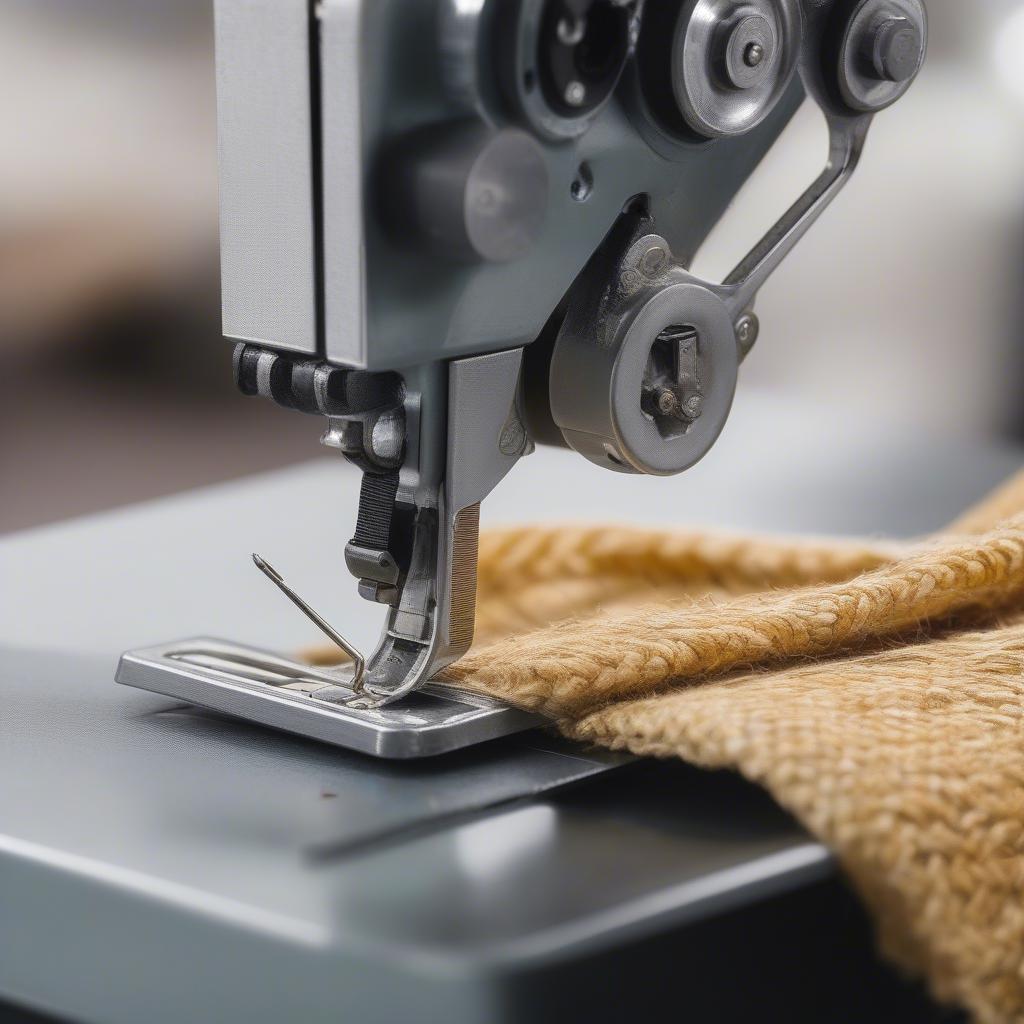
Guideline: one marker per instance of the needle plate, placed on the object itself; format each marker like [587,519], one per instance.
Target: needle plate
[258,686]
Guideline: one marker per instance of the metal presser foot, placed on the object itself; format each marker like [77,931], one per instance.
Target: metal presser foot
[453,247]
[327,704]
[386,705]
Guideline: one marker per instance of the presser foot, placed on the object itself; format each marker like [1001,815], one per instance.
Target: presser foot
[319,703]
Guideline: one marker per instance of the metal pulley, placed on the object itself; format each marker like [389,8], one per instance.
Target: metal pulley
[651,390]
[880,51]
[732,61]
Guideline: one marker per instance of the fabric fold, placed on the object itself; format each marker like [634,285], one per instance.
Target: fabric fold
[571,667]
[875,690]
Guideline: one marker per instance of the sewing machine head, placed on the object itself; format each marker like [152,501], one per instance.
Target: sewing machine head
[457,228]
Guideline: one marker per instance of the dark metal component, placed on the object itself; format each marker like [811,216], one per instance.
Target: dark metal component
[582,49]
[672,390]
[259,371]
[643,371]
[243,363]
[896,50]
[536,392]
[711,69]
[312,386]
[371,565]
[749,50]
[339,392]
[364,410]
[879,50]
[748,329]
[467,191]
[559,61]
[620,393]
[653,385]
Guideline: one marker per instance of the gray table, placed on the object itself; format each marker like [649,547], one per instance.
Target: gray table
[160,863]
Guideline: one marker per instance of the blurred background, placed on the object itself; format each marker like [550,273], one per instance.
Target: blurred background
[898,313]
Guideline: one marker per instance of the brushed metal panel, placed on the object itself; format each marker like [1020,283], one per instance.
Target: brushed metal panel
[267,203]
[342,87]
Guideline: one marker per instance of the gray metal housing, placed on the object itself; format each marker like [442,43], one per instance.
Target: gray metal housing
[310,264]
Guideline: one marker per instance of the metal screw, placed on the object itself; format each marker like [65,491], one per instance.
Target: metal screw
[746,51]
[513,438]
[694,407]
[575,93]
[668,404]
[748,327]
[654,260]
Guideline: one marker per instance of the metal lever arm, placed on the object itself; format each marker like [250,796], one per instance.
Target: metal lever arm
[431,624]
[847,139]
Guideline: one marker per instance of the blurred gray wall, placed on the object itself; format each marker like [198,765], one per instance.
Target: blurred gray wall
[904,303]
[902,307]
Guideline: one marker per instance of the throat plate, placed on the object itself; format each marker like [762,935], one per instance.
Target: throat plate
[265,688]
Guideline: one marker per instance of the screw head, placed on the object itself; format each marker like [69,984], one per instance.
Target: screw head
[668,404]
[513,438]
[654,260]
[575,93]
[694,407]
[746,56]
[748,327]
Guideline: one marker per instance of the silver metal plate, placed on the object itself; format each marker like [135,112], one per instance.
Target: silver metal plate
[266,150]
[258,686]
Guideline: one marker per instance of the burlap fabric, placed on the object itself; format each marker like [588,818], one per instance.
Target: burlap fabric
[876,690]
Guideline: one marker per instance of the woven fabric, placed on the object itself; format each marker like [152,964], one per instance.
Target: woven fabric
[876,690]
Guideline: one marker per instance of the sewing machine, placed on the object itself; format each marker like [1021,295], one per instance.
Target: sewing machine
[455,230]
[458,229]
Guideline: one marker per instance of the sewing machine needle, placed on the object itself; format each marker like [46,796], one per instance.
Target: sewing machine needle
[358,662]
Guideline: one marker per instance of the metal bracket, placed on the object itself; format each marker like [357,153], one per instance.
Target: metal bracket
[318,703]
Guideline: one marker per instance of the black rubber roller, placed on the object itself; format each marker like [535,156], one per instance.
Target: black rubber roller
[311,386]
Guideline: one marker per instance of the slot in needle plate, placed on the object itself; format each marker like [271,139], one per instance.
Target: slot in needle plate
[261,687]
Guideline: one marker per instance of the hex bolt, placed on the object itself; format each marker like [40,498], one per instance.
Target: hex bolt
[895,50]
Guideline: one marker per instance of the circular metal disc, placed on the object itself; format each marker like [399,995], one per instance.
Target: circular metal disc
[636,435]
[875,67]
[505,197]
[526,83]
[732,61]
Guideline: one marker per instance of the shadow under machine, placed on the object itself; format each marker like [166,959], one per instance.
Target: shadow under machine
[459,229]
